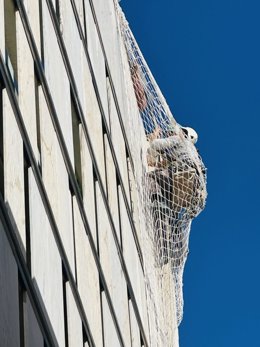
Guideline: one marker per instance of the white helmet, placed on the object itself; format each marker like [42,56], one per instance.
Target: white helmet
[190,134]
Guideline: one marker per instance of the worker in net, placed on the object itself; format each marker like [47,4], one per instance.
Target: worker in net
[176,189]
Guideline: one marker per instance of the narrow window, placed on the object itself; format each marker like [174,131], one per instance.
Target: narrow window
[119,199]
[58,13]
[130,181]
[37,84]
[85,23]
[102,299]
[64,283]
[27,209]
[21,311]
[96,187]
[41,33]
[10,40]
[105,144]
[76,144]
[74,239]
[58,9]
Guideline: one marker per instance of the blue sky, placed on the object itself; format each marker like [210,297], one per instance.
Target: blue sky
[205,56]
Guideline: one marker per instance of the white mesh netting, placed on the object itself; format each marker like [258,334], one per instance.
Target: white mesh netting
[171,189]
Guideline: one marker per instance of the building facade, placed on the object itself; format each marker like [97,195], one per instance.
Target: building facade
[71,255]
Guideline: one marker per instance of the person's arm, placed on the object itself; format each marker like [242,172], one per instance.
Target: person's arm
[138,88]
[161,144]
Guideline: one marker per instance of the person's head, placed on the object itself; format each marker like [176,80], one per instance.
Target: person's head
[190,134]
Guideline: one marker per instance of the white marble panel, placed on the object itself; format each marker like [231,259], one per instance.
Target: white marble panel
[130,253]
[112,268]
[13,169]
[57,79]
[87,277]
[135,203]
[96,57]
[93,120]
[56,181]
[110,334]
[46,267]
[75,334]
[88,184]
[118,141]
[107,21]
[135,332]
[73,44]
[107,248]
[112,188]
[143,308]
[26,95]
[33,12]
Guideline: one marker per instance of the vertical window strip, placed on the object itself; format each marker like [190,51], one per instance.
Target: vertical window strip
[10,41]
[76,145]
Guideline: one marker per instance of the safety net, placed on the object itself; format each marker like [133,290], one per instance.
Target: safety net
[172,189]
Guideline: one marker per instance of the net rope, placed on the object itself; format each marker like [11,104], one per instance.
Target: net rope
[171,188]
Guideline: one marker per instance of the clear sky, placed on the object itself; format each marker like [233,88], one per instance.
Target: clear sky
[205,56]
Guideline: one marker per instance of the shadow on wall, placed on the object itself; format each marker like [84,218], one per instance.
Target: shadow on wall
[22,306]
